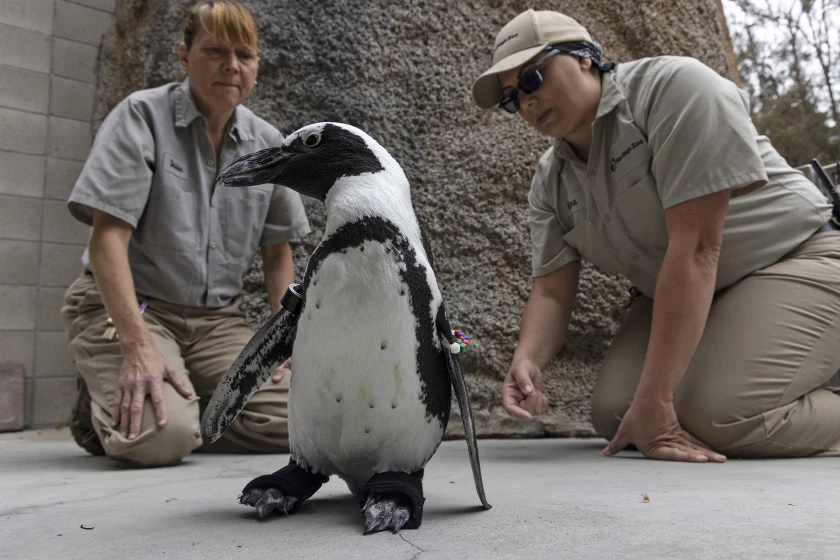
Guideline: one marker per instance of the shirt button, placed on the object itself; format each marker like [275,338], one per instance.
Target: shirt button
[211,162]
[212,244]
[606,218]
[634,257]
[590,173]
[213,202]
[212,285]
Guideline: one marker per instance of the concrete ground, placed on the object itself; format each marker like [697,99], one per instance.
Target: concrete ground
[552,499]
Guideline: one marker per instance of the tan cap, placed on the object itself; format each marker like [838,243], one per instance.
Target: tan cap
[519,41]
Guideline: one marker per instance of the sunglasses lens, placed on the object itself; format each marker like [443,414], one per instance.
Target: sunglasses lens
[530,81]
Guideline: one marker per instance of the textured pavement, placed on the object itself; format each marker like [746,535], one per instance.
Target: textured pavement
[552,498]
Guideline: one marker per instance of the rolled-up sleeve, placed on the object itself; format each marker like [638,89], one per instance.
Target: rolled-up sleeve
[117,175]
[701,135]
[286,219]
[549,251]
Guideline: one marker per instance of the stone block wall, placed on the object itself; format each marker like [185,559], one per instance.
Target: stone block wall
[48,61]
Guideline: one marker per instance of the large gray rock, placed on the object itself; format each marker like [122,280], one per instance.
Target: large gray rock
[402,71]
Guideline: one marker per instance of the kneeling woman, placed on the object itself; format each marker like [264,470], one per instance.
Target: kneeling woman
[658,173]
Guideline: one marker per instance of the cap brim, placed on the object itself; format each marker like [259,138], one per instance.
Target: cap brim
[486,90]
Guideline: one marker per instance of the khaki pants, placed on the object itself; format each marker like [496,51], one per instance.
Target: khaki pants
[200,345]
[753,388]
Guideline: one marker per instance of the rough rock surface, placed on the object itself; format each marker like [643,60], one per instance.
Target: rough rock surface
[402,71]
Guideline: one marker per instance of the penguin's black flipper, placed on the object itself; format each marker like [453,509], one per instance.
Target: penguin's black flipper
[270,347]
[460,386]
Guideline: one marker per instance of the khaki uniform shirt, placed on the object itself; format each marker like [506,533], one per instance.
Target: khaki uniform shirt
[153,166]
[667,130]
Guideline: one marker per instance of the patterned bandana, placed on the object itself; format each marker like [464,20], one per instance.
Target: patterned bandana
[586,49]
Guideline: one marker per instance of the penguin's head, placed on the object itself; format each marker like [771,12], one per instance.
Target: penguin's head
[310,160]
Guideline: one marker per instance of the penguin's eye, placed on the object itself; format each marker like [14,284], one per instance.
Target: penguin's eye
[312,140]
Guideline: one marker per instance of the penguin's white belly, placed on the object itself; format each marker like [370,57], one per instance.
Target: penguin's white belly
[355,405]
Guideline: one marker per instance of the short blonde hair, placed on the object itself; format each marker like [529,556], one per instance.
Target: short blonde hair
[231,22]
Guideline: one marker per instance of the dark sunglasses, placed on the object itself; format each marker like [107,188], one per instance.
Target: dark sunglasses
[529,82]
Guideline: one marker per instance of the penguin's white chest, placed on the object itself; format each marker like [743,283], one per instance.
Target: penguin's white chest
[356,403]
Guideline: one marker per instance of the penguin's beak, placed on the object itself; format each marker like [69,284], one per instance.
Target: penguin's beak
[254,169]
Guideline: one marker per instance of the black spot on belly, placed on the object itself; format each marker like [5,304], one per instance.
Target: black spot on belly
[367,430]
[317,305]
[370,404]
[338,397]
[431,362]
[362,249]
[384,344]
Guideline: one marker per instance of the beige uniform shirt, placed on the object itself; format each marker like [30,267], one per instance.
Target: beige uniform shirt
[667,130]
[153,166]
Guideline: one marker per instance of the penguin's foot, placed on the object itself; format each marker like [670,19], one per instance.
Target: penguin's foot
[266,500]
[385,512]
[392,500]
[282,491]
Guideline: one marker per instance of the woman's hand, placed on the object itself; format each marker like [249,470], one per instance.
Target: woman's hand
[143,371]
[522,394]
[652,426]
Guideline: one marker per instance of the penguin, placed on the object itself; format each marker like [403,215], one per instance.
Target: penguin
[374,359]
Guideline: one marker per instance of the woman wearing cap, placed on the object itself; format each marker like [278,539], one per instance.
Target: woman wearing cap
[155,321]
[657,173]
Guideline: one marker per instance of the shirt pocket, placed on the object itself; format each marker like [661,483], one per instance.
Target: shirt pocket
[170,218]
[588,244]
[245,210]
[641,217]
[630,160]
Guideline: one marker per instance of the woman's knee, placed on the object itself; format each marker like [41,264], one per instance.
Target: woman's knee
[158,447]
[713,419]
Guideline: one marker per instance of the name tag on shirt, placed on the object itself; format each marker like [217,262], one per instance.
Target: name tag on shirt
[174,166]
[571,203]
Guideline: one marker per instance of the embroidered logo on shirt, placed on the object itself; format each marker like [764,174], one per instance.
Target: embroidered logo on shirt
[616,160]
[174,166]
[571,203]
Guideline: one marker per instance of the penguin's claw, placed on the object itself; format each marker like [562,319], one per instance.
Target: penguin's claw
[370,501]
[400,518]
[267,500]
[385,512]
[250,497]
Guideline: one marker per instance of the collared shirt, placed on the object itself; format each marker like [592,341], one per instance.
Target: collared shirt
[668,130]
[153,166]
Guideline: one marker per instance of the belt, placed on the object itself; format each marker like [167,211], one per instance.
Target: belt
[830,225]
